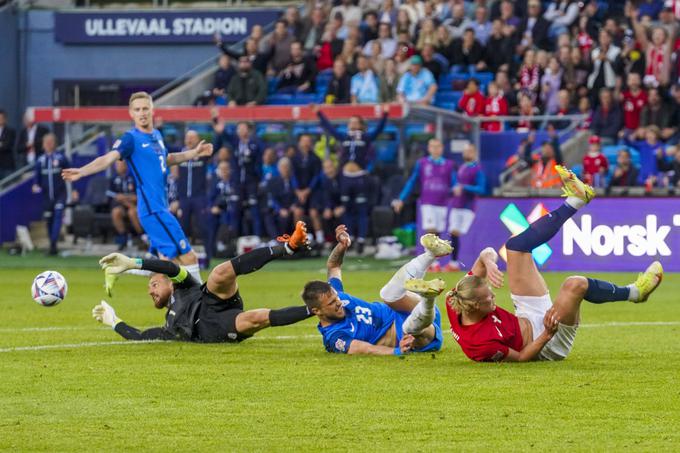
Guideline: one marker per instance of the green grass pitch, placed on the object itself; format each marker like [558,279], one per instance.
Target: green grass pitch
[67,384]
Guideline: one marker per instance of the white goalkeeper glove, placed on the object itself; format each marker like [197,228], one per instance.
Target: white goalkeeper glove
[105,314]
[113,265]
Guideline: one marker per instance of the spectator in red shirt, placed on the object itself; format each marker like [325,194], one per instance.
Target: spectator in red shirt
[472,102]
[595,164]
[495,105]
[633,100]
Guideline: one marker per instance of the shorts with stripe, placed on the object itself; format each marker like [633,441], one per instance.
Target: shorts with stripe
[165,234]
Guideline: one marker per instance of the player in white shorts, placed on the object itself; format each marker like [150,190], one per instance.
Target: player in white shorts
[539,329]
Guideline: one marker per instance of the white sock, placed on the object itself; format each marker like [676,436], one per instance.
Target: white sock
[575,202]
[140,272]
[420,318]
[634,294]
[319,237]
[416,268]
[195,272]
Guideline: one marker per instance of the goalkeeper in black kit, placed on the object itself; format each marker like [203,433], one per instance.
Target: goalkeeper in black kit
[208,313]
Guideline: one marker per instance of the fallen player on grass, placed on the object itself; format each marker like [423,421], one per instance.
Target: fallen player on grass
[211,312]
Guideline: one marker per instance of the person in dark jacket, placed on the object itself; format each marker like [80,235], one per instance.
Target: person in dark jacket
[338,91]
[7,139]
[247,87]
[299,73]
[533,29]
[223,76]
[608,118]
[282,198]
[307,170]
[224,204]
[47,181]
[625,174]
[467,54]
[29,143]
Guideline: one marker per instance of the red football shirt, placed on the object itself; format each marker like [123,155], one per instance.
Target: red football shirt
[472,104]
[495,106]
[632,106]
[490,339]
[592,166]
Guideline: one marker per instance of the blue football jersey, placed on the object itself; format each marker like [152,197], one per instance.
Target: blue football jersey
[365,321]
[146,156]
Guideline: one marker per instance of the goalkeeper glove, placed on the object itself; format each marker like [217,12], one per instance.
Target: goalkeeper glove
[105,314]
[115,264]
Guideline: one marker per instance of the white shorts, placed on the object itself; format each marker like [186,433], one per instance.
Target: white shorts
[460,220]
[533,309]
[433,218]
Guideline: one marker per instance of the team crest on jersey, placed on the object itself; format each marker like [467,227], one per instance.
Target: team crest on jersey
[182,243]
[340,344]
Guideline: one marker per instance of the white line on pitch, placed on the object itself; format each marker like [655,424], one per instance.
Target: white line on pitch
[73,346]
[286,337]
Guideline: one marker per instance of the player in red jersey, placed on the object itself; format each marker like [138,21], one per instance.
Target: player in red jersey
[538,330]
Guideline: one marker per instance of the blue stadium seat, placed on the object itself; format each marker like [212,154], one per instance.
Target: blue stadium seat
[448,97]
[271,85]
[611,151]
[281,99]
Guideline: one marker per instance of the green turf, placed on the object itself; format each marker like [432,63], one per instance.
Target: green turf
[280,391]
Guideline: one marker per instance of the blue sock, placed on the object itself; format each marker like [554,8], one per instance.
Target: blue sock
[600,292]
[541,231]
[455,243]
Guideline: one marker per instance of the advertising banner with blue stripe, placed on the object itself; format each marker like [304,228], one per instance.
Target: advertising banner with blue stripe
[610,234]
[151,27]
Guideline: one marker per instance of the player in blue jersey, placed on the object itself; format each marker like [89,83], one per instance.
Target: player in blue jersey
[407,321]
[147,157]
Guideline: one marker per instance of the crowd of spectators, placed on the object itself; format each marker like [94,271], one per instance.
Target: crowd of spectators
[615,63]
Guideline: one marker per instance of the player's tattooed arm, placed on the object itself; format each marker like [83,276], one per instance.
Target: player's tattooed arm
[334,263]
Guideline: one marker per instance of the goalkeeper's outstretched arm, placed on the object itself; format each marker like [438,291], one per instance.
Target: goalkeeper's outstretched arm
[131,333]
[105,314]
[117,263]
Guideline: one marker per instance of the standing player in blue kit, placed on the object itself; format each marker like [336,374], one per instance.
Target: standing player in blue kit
[147,157]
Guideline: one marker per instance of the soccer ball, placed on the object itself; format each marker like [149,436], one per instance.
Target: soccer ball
[49,288]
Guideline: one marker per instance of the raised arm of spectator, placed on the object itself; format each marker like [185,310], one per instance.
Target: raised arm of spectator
[326,125]
[381,125]
[479,187]
[640,30]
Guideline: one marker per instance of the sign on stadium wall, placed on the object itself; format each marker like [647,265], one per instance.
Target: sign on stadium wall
[158,27]
[610,234]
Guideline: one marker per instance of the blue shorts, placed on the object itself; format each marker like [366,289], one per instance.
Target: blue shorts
[437,341]
[165,234]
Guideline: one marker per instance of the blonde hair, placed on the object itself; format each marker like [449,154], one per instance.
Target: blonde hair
[140,95]
[462,297]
